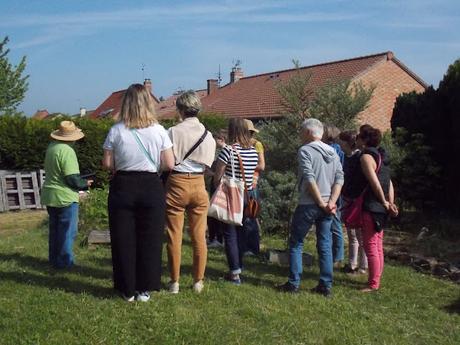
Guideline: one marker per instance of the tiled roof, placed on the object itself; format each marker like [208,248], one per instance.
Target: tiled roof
[256,96]
[41,114]
[167,109]
[112,105]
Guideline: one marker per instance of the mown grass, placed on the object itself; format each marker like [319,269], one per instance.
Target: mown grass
[39,305]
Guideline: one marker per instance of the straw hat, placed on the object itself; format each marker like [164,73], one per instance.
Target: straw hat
[250,126]
[67,132]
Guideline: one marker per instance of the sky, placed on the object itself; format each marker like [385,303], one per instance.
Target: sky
[78,52]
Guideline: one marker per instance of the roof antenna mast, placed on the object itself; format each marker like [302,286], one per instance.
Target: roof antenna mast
[219,77]
[143,71]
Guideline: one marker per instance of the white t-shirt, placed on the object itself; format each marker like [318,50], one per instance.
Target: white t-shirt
[128,155]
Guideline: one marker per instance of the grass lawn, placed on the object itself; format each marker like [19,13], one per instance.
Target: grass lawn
[41,306]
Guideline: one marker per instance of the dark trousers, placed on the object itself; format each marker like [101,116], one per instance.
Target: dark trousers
[136,219]
[235,244]
[215,227]
[215,230]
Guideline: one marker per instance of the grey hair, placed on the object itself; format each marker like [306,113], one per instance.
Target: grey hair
[314,126]
[188,103]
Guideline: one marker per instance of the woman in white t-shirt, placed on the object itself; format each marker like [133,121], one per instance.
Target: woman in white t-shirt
[136,149]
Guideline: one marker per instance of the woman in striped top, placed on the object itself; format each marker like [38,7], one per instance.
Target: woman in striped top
[235,241]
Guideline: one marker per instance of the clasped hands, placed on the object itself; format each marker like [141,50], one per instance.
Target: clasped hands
[329,207]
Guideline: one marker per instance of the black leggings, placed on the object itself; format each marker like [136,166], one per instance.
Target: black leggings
[136,220]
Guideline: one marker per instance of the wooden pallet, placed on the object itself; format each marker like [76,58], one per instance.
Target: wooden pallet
[98,237]
[19,191]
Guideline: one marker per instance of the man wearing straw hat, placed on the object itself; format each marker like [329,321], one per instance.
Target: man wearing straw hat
[60,193]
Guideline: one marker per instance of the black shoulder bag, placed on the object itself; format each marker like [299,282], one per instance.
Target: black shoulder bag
[165,174]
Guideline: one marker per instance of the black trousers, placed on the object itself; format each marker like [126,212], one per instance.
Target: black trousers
[136,220]
[215,227]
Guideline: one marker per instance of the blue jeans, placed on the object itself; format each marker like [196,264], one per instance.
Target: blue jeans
[304,217]
[236,243]
[337,238]
[63,225]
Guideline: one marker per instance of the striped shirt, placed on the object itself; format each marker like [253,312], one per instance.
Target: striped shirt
[249,157]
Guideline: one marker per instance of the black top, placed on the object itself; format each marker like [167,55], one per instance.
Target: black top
[354,179]
[371,202]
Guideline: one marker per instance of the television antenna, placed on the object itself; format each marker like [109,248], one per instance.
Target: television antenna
[143,71]
[219,77]
[237,63]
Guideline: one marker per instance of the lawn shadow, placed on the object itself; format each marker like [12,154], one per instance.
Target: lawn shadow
[43,265]
[58,282]
[453,308]
[56,278]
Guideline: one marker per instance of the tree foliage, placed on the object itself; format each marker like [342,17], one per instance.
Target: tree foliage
[334,103]
[13,85]
[296,93]
[431,124]
[339,103]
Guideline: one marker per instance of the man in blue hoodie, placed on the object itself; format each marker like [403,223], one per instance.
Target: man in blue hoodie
[320,181]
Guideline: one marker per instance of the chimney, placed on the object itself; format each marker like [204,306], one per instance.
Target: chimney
[82,112]
[148,84]
[236,74]
[212,85]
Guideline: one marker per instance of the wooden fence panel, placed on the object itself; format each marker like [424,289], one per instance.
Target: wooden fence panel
[19,191]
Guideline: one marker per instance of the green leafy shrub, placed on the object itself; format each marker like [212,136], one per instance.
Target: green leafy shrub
[279,197]
[93,212]
[23,143]
[431,126]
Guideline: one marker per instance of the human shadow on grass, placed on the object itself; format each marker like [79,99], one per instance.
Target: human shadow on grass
[258,266]
[453,308]
[43,265]
[57,282]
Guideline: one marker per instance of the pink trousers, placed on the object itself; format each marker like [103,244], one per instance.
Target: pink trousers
[373,246]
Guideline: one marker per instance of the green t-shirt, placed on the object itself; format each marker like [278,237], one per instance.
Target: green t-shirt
[60,161]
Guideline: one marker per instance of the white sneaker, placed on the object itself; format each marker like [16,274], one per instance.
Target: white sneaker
[128,298]
[173,287]
[198,286]
[143,296]
[214,244]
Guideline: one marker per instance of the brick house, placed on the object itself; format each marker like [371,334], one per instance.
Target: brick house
[112,105]
[255,97]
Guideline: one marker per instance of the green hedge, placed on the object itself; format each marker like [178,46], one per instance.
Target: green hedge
[23,141]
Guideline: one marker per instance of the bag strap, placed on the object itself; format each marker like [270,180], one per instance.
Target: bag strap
[142,147]
[242,172]
[194,147]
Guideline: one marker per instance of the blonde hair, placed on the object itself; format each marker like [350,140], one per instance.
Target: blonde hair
[138,108]
[238,132]
[188,103]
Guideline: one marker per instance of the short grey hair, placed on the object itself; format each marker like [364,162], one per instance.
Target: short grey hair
[314,126]
[188,103]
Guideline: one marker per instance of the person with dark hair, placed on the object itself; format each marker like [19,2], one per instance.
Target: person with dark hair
[354,183]
[60,193]
[330,136]
[194,150]
[136,149]
[378,202]
[240,148]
